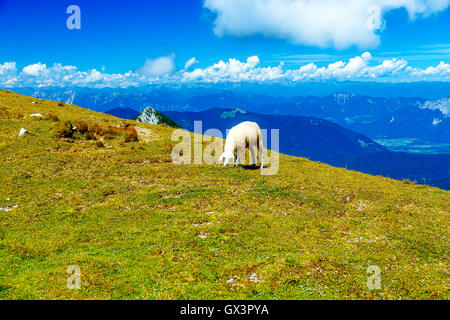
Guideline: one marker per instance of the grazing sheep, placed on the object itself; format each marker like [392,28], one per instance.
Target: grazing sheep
[245,134]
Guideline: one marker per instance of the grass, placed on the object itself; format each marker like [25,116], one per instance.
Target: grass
[141,227]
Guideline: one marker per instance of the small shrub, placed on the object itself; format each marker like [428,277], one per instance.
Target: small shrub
[60,104]
[131,134]
[96,128]
[52,117]
[89,136]
[108,135]
[76,135]
[82,126]
[127,131]
[115,131]
[64,129]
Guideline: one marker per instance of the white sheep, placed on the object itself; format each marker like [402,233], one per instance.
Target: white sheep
[245,134]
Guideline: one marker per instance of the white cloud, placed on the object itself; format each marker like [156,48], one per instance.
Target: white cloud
[360,68]
[390,67]
[190,63]
[357,68]
[233,70]
[35,69]
[7,68]
[58,75]
[323,23]
[8,72]
[441,69]
[159,66]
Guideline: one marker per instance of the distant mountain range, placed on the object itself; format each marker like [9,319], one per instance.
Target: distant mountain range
[401,123]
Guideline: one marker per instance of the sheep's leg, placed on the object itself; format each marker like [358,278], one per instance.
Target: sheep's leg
[252,150]
[261,156]
[237,159]
[260,149]
[239,151]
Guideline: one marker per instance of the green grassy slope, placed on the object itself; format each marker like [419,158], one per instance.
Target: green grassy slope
[141,227]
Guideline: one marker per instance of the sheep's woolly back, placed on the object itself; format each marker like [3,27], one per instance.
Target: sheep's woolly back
[245,133]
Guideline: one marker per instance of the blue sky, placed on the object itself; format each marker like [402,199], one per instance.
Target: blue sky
[121,36]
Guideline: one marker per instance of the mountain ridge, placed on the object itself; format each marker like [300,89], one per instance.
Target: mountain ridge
[123,112]
[380,118]
[152,116]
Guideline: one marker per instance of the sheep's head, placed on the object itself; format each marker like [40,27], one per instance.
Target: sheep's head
[226,157]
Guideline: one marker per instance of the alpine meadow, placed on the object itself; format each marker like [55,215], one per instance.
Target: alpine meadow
[142,227]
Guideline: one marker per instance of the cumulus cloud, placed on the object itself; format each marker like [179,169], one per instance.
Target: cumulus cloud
[360,68]
[442,69]
[8,72]
[323,23]
[58,75]
[356,68]
[35,69]
[159,66]
[7,67]
[190,63]
[233,70]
